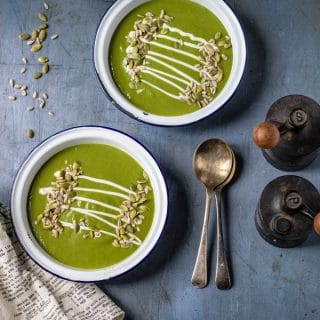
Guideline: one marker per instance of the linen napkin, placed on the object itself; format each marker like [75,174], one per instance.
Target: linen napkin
[28,292]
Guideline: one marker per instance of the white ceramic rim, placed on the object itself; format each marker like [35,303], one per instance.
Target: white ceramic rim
[104,34]
[43,153]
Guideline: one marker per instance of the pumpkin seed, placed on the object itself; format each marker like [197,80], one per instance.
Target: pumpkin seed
[42,35]
[43,59]
[34,34]
[45,68]
[224,57]
[37,75]
[43,26]
[221,43]
[54,37]
[36,48]
[42,17]
[217,36]
[24,36]
[30,133]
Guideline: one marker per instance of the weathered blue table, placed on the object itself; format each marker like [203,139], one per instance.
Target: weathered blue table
[283,42]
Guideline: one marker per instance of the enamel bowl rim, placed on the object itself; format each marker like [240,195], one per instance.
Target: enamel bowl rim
[108,25]
[44,151]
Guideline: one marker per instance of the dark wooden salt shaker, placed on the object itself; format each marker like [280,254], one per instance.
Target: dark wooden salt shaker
[290,136]
[288,209]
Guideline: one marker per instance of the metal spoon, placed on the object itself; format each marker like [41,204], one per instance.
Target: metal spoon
[212,163]
[223,277]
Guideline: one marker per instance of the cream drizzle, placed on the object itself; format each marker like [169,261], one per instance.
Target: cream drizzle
[111,193]
[160,45]
[99,203]
[184,34]
[160,55]
[160,89]
[163,79]
[169,75]
[173,39]
[102,213]
[107,182]
[181,73]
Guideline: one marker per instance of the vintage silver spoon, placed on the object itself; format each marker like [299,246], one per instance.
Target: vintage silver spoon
[213,162]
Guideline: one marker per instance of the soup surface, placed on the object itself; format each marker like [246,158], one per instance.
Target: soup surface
[170,57]
[90,206]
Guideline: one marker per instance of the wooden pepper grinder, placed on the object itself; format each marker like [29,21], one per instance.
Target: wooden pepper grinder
[290,136]
[288,209]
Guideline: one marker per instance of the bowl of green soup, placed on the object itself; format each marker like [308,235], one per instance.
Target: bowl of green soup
[169,62]
[89,203]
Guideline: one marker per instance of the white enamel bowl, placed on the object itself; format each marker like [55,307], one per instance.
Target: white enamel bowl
[43,153]
[104,34]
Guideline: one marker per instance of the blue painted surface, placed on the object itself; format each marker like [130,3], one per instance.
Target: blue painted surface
[283,40]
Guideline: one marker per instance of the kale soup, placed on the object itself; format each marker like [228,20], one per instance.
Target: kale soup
[90,206]
[170,57]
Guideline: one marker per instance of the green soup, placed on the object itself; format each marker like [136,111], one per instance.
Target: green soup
[179,64]
[105,201]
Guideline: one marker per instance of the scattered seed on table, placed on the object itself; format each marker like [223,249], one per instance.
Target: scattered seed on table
[18,86]
[11,83]
[36,47]
[24,87]
[37,75]
[23,70]
[42,17]
[45,68]
[45,5]
[23,93]
[24,36]
[34,94]
[45,96]
[30,108]
[41,103]
[43,59]
[43,26]
[24,60]
[51,114]
[30,42]
[54,37]
[12,98]
[30,133]
[42,35]
[34,34]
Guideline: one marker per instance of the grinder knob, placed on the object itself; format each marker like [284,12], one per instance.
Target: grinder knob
[266,135]
[316,223]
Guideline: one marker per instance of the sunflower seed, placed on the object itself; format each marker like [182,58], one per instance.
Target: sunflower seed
[51,114]
[11,83]
[41,103]
[224,57]
[12,98]
[42,17]
[42,35]
[23,93]
[30,133]
[43,59]
[30,42]
[30,108]
[34,94]
[54,37]
[24,87]
[45,68]
[34,34]
[36,48]
[45,5]
[24,36]
[43,26]
[23,70]
[45,96]
[24,60]
[37,75]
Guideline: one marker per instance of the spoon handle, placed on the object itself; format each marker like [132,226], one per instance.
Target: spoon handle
[223,278]
[199,275]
